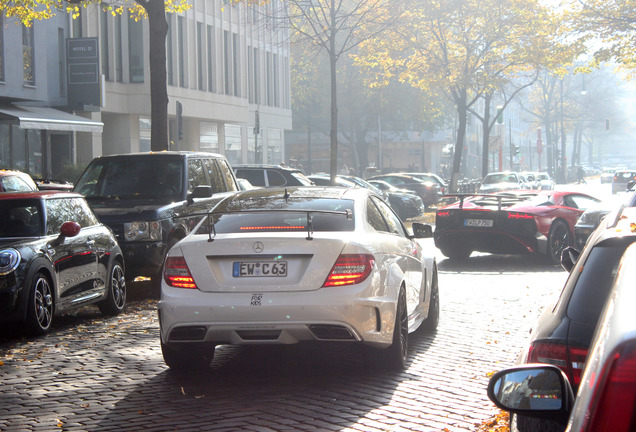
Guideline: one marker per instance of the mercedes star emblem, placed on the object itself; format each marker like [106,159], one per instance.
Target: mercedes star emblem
[258,247]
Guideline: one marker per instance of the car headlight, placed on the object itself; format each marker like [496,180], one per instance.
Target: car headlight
[589,218]
[9,260]
[144,230]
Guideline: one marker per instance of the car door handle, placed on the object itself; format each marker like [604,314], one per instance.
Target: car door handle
[90,242]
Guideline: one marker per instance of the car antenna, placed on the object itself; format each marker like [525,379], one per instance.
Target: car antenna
[286,195]
[310,226]
[212,227]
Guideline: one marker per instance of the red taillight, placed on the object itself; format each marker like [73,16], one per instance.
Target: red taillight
[177,274]
[443,213]
[350,269]
[615,395]
[520,216]
[570,361]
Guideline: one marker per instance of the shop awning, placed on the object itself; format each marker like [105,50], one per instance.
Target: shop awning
[30,117]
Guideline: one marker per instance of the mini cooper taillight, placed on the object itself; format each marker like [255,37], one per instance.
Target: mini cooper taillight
[570,360]
[350,269]
[177,274]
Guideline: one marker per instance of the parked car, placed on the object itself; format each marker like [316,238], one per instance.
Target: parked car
[284,265]
[591,218]
[403,202]
[530,180]
[510,223]
[16,181]
[427,190]
[606,399]
[272,175]
[622,179]
[325,180]
[152,200]
[244,184]
[607,175]
[501,181]
[545,181]
[55,256]
[431,177]
[563,333]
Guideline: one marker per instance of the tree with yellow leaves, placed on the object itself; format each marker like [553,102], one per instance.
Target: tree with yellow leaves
[467,48]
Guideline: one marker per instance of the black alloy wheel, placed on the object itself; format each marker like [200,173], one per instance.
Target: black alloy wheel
[558,239]
[115,301]
[40,306]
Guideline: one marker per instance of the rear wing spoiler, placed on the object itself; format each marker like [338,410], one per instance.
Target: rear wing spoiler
[500,200]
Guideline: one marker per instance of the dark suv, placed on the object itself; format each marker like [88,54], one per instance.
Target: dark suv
[271,175]
[146,199]
[563,333]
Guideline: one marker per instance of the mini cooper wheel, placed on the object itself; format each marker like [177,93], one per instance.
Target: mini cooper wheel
[40,306]
[187,356]
[558,239]
[115,300]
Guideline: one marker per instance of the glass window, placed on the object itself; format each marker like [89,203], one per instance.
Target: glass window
[169,53]
[211,60]
[62,210]
[28,54]
[19,149]
[208,137]
[196,174]
[255,176]
[144,134]
[274,145]
[275,178]
[135,50]
[34,140]
[392,221]
[104,41]
[226,172]
[200,59]
[20,218]
[5,147]
[182,50]
[1,47]
[233,143]
[374,217]
[227,65]
[14,184]
[119,56]
[236,66]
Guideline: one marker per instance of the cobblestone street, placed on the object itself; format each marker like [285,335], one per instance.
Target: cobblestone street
[92,374]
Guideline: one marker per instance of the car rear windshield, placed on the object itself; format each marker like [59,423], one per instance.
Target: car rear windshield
[280,216]
[596,278]
[139,178]
[624,176]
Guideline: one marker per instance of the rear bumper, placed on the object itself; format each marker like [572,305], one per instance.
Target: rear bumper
[490,241]
[347,314]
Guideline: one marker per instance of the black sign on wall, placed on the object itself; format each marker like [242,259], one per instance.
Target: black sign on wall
[83,78]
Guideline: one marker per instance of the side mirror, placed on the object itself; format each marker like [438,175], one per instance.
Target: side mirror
[533,390]
[199,192]
[68,229]
[421,230]
[569,257]
[631,184]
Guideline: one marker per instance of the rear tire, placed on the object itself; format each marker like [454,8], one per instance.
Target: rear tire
[115,301]
[558,239]
[394,357]
[40,307]
[188,356]
[431,322]
[457,253]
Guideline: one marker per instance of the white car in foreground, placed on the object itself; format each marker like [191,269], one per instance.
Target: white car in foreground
[280,266]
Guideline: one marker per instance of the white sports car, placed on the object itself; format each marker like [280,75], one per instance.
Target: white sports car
[280,266]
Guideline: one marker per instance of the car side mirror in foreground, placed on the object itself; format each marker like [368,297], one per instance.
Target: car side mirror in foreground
[533,390]
[569,257]
[421,230]
[68,229]
[200,192]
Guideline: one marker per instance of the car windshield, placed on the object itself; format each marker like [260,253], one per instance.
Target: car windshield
[20,218]
[277,215]
[159,178]
[542,177]
[498,178]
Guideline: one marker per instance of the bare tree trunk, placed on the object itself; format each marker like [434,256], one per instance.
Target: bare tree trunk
[158,27]
[459,143]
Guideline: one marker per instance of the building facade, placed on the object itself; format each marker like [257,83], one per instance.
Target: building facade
[228,86]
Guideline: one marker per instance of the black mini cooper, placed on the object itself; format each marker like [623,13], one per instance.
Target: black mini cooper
[55,256]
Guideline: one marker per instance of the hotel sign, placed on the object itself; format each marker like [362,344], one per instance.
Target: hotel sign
[83,77]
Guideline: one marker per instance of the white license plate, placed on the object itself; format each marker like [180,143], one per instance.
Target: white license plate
[478,222]
[259,269]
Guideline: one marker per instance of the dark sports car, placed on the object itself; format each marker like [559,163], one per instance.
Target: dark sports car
[55,256]
[510,223]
